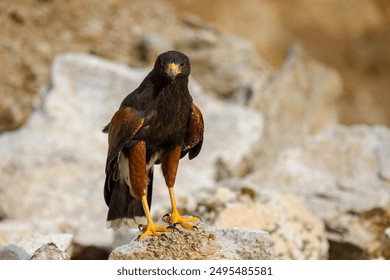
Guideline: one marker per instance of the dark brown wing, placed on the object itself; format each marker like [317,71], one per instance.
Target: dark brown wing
[194,137]
[123,126]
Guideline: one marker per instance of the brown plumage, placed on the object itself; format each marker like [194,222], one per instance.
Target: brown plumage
[155,124]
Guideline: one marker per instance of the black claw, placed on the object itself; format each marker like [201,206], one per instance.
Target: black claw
[166,215]
[140,228]
[174,228]
[138,238]
[196,228]
[200,219]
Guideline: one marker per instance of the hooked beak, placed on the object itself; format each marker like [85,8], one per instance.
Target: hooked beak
[172,70]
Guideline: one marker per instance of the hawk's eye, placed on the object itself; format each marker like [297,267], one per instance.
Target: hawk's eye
[183,65]
[163,64]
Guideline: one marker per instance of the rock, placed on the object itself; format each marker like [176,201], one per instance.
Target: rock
[386,244]
[205,244]
[15,104]
[342,161]
[383,153]
[338,174]
[13,252]
[209,50]
[12,231]
[223,122]
[297,101]
[25,248]
[57,159]
[247,244]
[297,233]
[305,90]
[13,114]
[358,235]
[151,45]
[49,251]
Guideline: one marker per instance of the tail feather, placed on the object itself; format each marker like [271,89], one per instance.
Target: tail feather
[123,209]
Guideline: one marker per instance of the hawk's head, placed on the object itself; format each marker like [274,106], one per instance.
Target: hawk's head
[172,65]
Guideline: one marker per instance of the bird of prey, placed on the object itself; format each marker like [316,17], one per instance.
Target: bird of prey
[157,123]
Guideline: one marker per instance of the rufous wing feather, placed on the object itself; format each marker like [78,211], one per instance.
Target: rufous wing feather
[123,126]
[194,137]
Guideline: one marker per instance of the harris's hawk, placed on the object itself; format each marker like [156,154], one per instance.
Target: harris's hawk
[157,123]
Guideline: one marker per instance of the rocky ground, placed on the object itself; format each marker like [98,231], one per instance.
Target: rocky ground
[275,158]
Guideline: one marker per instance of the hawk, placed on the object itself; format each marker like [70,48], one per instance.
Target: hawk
[157,123]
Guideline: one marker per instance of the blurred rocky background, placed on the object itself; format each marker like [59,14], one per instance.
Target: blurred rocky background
[295,96]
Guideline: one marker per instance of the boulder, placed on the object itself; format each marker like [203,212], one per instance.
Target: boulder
[338,173]
[39,247]
[297,233]
[49,251]
[206,243]
[386,244]
[226,64]
[297,101]
[18,88]
[13,231]
[360,235]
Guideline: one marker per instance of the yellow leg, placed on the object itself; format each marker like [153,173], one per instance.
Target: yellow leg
[169,165]
[151,229]
[175,217]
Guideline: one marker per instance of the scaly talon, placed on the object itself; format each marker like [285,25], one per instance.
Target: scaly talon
[176,219]
[153,230]
[150,229]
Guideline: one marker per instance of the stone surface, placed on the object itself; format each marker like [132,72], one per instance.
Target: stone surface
[383,153]
[386,244]
[338,174]
[342,161]
[297,233]
[209,50]
[13,252]
[12,231]
[205,244]
[359,235]
[49,251]
[297,101]
[57,159]
[25,248]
